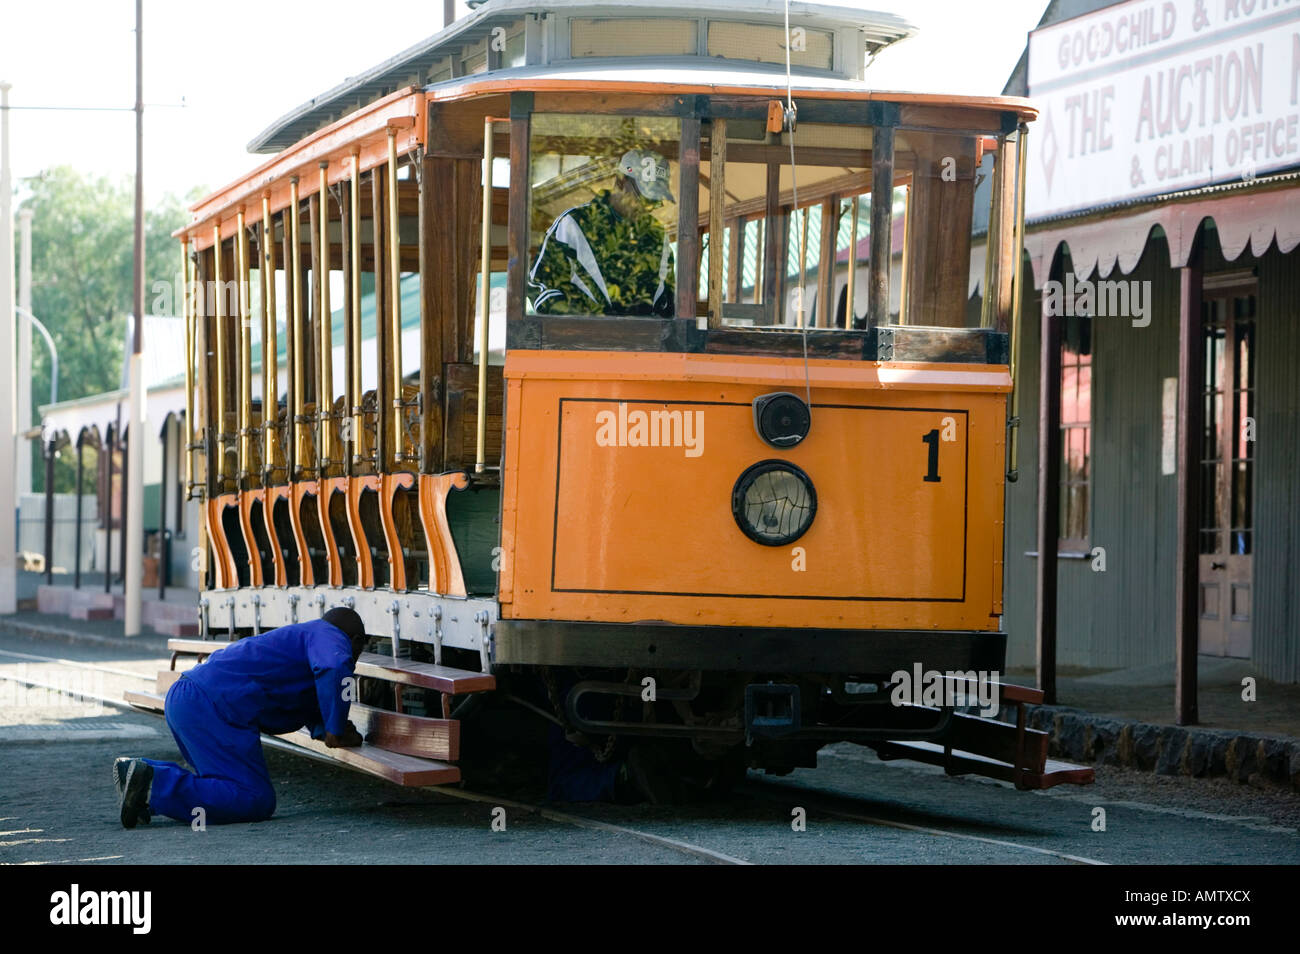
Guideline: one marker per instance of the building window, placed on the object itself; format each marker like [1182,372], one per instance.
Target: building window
[1076,431]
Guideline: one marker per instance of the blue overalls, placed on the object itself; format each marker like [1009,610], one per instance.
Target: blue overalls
[276,683]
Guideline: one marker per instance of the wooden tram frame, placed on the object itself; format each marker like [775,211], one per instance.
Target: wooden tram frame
[318,461]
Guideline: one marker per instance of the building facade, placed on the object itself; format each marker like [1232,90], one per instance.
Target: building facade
[1163,221]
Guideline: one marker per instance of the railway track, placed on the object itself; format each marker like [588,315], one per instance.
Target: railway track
[817,803]
[835,806]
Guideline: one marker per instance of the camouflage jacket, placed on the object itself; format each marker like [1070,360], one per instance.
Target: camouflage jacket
[594,261]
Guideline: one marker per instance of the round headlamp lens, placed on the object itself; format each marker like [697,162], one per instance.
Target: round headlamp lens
[774,503]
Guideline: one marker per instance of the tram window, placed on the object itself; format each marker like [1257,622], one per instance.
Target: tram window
[603,215]
[937,207]
[773,249]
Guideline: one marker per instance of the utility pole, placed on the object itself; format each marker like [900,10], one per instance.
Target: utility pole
[8,502]
[136,434]
[23,369]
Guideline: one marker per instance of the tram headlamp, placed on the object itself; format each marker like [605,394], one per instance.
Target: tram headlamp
[782,419]
[774,503]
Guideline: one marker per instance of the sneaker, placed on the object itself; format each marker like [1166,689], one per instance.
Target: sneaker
[133,778]
[120,766]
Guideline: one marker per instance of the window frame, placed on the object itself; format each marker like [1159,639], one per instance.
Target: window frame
[689,330]
[1067,544]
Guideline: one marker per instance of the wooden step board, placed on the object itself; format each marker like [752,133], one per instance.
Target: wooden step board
[442,678]
[166,678]
[151,701]
[968,763]
[411,763]
[376,666]
[994,740]
[404,770]
[418,736]
[195,647]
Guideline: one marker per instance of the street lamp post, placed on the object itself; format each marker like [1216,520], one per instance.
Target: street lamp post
[23,456]
[133,565]
[49,343]
[8,508]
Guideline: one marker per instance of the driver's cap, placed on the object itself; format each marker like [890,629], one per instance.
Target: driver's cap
[649,171]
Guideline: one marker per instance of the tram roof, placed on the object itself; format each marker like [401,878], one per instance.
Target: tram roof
[415,65]
[332,144]
[351,118]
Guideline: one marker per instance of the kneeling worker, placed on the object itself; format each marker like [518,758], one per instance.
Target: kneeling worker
[278,682]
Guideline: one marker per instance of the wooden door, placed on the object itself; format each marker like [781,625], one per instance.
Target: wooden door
[1228,467]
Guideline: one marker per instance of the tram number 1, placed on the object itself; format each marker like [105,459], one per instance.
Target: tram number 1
[932,457]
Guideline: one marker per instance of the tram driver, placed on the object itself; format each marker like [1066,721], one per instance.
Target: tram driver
[610,256]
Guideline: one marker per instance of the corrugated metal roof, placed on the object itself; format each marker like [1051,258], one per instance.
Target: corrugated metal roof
[1152,200]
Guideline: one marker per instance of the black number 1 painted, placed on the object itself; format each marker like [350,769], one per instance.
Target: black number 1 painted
[932,469]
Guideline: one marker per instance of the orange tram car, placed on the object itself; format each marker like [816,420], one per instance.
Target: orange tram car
[713,466]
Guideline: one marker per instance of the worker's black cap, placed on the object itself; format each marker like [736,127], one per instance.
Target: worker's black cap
[347,620]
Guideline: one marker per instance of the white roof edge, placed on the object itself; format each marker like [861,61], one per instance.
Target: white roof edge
[881,27]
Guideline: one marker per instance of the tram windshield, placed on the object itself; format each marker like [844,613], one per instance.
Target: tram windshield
[603,232]
[794,239]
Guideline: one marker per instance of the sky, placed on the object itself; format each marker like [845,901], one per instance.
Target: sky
[230,65]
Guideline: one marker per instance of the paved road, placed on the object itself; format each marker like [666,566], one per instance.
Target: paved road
[57,805]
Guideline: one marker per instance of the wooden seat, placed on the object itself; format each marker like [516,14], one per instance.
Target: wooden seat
[462,415]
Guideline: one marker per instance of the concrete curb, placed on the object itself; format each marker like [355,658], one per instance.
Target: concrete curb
[1254,758]
[46,631]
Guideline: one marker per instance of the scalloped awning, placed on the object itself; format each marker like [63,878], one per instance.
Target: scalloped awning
[1256,216]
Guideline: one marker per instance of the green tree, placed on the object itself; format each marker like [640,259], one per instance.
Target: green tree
[82,263]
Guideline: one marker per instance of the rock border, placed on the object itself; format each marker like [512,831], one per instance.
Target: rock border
[1079,736]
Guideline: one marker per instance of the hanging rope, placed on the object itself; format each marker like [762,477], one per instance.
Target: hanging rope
[791,120]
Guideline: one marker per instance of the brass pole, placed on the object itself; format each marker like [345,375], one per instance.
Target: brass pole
[484,303]
[395,304]
[220,336]
[245,351]
[187,303]
[717,218]
[325,390]
[295,318]
[270,346]
[1017,294]
[853,265]
[354,359]
[800,310]
[903,283]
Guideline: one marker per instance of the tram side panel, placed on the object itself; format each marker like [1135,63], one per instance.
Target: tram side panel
[621,470]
